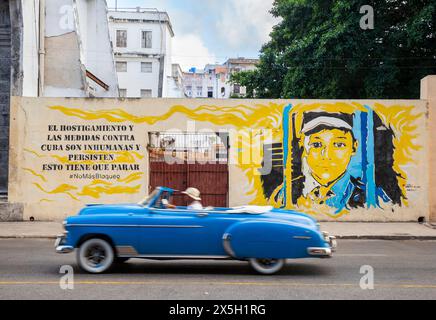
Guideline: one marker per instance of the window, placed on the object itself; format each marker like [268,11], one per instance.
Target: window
[121,66]
[147,67]
[123,93]
[236,89]
[199,91]
[210,92]
[122,38]
[189,91]
[146,39]
[146,93]
[223,92]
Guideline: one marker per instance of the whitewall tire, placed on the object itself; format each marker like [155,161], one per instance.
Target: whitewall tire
[95,256]
[267,266]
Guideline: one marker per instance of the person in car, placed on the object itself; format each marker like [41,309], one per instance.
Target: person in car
[191,193]
[194,194]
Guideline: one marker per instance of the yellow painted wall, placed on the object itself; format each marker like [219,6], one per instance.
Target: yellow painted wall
[120,176]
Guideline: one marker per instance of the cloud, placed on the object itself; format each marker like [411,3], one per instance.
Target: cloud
[188,50]
[208,31]
[245,23]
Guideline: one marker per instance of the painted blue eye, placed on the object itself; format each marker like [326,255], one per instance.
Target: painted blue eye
[317,145]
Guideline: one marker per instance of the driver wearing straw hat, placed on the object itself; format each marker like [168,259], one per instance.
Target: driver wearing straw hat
[194,194]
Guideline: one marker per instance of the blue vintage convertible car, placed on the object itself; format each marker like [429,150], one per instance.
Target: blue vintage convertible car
[104,235]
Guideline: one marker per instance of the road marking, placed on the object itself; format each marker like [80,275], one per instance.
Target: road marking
[259,284]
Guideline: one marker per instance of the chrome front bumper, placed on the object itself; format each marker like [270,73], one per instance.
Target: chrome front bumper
[325,252]
[61,247]
[320,252]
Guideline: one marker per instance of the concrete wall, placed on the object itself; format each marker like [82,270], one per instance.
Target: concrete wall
[336,160]
[428,92]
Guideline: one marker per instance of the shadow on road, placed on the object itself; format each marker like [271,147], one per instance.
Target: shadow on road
[136,267]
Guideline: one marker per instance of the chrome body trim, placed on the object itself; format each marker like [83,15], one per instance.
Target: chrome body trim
[302,238]
[134,226]
[182,257]
[228,246]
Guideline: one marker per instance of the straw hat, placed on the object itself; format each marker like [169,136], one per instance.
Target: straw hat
[193,193]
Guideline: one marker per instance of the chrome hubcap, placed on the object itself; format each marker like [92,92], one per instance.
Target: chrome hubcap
[95,256]
[268,263]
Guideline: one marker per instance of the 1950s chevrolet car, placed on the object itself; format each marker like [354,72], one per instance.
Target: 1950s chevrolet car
[263,236]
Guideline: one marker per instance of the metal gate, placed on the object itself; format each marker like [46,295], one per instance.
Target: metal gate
[182,160]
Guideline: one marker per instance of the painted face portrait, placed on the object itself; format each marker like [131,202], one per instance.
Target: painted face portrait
[328,154]
[336,158]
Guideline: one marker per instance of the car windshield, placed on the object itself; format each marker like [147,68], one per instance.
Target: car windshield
[147,200]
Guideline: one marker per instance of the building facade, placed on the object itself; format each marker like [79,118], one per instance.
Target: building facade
[51,48]
[214,80]
[176,82]
[141,39]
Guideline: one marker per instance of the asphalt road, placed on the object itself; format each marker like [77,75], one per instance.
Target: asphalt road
[29,269]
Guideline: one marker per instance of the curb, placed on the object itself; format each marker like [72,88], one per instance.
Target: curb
[29,237]
[388,238]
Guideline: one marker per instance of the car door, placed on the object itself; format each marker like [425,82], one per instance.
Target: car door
[181,232]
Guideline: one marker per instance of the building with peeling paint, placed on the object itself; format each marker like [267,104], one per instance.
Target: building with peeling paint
[51,48]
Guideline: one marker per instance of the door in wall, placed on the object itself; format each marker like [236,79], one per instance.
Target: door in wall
[183,160]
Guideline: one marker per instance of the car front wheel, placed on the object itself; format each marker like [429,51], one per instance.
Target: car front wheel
[267,266]
[95,256]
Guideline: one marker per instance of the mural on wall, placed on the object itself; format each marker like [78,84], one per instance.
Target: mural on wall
[339,157]
[325,158]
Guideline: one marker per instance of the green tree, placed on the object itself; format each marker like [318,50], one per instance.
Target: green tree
[319,50]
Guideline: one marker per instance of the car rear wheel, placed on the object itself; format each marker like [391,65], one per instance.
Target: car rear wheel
[95,256]
[267,266]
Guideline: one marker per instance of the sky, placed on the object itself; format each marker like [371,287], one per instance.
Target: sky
[211,31]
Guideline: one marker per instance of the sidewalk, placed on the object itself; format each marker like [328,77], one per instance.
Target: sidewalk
[342,230]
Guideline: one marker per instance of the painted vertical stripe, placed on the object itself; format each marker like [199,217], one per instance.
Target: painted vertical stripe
[355,168]
[287,172]
[371,198]
[363,146]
